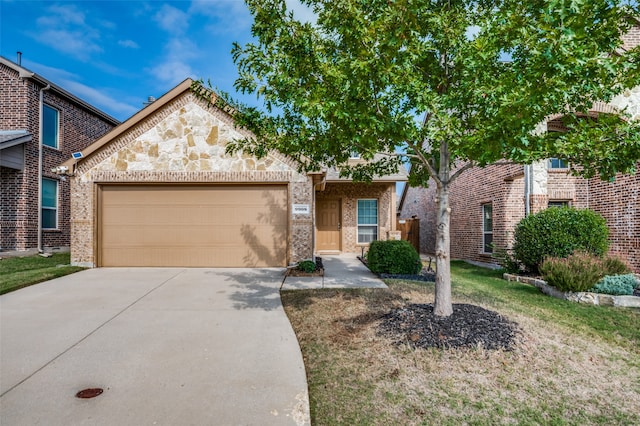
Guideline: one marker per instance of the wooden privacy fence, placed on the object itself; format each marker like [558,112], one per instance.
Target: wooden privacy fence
[410,231]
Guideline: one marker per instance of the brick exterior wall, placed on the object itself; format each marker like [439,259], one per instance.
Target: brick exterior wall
[19,99]
[349,193]
[503,187]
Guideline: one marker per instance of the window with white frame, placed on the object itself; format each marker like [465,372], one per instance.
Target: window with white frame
[487,228]
[50,125]
[49,204]
[354,155]
[367,221]
[558,163]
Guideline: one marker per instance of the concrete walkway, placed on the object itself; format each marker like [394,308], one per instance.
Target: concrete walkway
[168,346]
[340,271]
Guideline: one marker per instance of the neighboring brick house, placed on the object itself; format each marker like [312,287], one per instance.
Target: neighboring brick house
[160,190]
[487,203]
[69,125]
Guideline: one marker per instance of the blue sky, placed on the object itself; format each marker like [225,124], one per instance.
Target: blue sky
[115,54]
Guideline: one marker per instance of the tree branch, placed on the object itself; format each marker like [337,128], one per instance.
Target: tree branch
[461,170]
[423,160]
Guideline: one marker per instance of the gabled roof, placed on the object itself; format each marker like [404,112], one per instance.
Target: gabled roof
[333,175]
[131,122]
[25,73]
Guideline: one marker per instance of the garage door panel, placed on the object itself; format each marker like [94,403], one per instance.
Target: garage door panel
[198,226]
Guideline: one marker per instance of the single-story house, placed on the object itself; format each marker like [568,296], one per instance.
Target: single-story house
[160,190]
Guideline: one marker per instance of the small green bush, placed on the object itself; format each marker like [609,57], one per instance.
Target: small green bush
[558,232]
[618,285]
[580,271]
[507,261]
[393,257]
[307,266]
[577,272]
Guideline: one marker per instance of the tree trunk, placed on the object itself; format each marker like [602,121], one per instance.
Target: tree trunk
[442,305]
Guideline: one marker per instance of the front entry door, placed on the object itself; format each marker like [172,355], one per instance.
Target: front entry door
[328,226]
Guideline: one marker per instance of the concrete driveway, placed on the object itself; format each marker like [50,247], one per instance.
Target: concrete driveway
[168,346]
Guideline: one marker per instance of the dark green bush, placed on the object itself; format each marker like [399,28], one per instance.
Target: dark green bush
[393,257]
[307,266]
[619,285]
[558,232]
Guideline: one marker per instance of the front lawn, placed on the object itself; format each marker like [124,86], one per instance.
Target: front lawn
[572,364]
[19,272]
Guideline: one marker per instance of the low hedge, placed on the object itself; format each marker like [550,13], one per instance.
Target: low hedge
[393,257]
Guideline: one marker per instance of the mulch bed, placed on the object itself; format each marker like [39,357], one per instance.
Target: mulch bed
[299,273]
[468,327]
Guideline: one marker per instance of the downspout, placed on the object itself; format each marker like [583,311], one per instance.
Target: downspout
[527,190]
[40,136]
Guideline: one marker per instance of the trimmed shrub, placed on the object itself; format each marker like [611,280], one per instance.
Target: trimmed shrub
[558,232]
[393,257]
[618,285]
[307,266]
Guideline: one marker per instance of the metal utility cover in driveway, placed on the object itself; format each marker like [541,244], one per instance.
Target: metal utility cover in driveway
[167,346]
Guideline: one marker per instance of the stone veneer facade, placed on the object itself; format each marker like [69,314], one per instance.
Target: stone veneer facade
[182,142]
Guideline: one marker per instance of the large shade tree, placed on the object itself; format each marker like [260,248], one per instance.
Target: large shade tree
[445,85]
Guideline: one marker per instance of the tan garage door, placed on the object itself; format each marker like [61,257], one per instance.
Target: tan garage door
[192,225]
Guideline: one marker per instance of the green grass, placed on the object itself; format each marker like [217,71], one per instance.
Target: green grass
[20,272]
[614,325]
[573,364]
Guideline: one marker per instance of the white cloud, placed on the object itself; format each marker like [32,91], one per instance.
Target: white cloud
[225,16]
[99,99]
[64,29]
[171,19]
[128,44]
[172,71]
[175,67]
[70,82]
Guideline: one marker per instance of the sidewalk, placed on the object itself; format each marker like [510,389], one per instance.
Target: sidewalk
[340,271]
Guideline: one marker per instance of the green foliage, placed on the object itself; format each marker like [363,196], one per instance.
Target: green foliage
[357,77]
[615,266]
[577,272]
[307,266]
[393,257]
[355,80]
[616,284]
[558,232]
[507,260]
